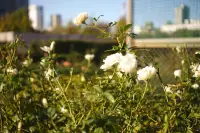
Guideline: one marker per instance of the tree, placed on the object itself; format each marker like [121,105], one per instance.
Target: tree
[17,21]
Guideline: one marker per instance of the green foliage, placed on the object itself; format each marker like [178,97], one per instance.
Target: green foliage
[18,21]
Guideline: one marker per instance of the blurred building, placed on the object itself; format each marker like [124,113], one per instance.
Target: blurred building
[174,27]
[37,17]
[181,13]
[56,21]
[8,6]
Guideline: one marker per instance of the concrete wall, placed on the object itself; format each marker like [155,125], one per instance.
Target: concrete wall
[145,43]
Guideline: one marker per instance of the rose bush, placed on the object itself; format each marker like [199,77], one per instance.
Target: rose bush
[121,98]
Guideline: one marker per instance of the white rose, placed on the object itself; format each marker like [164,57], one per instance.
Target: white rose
[46,49]
[177,73]
[89,57]
[82,17]
[146,73]
[195,86]
[111,60]
[128,63]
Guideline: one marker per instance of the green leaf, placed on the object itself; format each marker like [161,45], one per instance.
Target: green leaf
[94,19]
[109,97]
[99,130]
[132,35]
[127,27]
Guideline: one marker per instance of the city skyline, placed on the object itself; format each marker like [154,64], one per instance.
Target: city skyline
[157,11]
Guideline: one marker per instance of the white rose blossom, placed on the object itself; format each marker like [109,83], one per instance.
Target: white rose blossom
[81,18]
[177,73]
[89,57]
[12,71]
[128,63]
[195,86]
[146,73]
[111,60]
[48,49]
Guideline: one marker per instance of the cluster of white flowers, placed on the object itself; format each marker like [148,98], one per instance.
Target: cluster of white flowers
[177,73]
[27,62]
[89,57]
[195,68]
[81,18]
[49,73]
[146,73]
[12,71]
[48,49]
[126,63]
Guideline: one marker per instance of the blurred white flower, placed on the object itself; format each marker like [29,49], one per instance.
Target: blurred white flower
[178,92]
[81,18]
[195,67]
[89,57]
[63,110]
[178,49]
[146,73]
[128,63]
[111,60]
[57,89]
[168,89]
[48,73]
[196,74]
[27,62]
[52,45]
[177,73]
[46,49]
[83,78]
[32,79]
[12,71]
[182,62]
[44,102]
[195,86]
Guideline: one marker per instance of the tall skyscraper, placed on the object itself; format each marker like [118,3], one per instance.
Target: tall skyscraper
[56,21]
[181,13]
[36,16]
[8,6]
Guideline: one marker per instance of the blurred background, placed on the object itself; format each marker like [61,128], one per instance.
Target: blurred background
[160,25]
